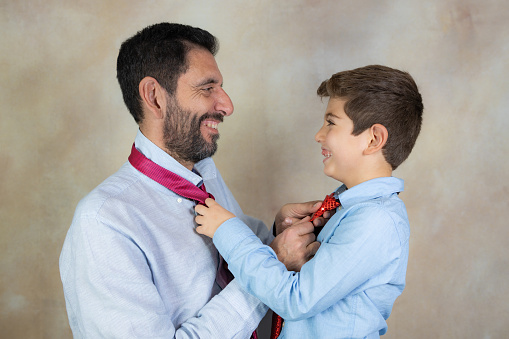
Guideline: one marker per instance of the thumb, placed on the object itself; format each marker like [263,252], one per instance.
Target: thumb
[316,206]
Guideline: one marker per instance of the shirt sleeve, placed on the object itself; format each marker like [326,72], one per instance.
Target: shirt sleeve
[112,293]
[362,245]
[259,228]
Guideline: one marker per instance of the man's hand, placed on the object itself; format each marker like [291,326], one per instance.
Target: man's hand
[210,217]
[296,245]
[290,214]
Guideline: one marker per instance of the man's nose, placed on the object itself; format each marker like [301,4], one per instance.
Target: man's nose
[224,103]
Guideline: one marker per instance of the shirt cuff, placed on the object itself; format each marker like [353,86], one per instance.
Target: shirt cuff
[230,234]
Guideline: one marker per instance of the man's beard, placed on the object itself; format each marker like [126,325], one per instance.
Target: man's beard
[183,137]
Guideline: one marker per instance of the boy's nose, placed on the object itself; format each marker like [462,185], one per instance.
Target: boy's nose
[319,135]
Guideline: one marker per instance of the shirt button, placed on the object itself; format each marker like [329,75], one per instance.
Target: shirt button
[179,200]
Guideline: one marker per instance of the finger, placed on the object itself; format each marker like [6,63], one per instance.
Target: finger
[308,208]
[200,209]
[210,201]
[316,205]
[288,221]
[308,238]
[303,220]
[303,228]
[320,221]
[313,248]
[198,219]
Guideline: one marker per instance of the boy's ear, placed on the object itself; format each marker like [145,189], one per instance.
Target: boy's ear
[153,97]
[378,135]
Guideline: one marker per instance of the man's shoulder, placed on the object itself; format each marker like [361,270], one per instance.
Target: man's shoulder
[115,187]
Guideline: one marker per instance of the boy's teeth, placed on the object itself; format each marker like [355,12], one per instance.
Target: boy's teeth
[326,154]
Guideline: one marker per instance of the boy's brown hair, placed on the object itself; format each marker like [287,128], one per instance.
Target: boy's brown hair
[380,95]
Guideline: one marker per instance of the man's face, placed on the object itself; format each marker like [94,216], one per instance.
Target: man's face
[193,114]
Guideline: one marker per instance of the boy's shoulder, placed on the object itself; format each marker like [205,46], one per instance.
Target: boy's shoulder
[372,191]
[374,207]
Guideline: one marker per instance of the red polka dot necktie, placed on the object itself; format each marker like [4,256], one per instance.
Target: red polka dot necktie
[329,203]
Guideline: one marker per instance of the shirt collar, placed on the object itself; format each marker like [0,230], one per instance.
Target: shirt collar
[368,190]
[163,159]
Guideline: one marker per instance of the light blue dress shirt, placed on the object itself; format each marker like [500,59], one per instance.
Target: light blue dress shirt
[133,266]
[348,288]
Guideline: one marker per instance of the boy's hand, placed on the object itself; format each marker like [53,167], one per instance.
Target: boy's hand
[210,217]
[290,214]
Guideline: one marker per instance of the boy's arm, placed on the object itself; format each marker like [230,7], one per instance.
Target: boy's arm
[358,251]
[294,246]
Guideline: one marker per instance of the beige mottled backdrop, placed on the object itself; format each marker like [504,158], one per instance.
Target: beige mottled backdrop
[64,129]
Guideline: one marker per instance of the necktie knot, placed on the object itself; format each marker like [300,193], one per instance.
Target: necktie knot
[329,203]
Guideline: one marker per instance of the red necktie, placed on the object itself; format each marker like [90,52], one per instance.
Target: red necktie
[182,187]
[329,203]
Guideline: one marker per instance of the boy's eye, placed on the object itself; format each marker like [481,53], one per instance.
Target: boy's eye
[329,122]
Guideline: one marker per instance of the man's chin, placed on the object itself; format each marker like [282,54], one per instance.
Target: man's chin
[211,151]
[207,151]
[209,135]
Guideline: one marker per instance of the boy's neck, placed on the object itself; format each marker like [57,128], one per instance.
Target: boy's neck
[373,171]
[350,185]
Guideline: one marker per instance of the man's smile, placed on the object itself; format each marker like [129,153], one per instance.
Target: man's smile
[210,123]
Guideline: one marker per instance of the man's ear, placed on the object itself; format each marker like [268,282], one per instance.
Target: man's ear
[153,97]
[378,138]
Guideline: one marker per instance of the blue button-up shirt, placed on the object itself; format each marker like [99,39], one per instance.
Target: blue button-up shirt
[133,266]
[348,288]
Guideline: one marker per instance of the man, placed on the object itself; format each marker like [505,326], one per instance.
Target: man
[132,264]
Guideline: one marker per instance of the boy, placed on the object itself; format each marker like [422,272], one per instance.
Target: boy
[347,289]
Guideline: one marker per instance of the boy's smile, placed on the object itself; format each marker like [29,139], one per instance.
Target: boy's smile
[326,153]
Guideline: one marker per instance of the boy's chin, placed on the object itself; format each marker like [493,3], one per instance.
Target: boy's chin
[331,174]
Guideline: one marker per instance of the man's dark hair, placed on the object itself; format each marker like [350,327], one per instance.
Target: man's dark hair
[380,95]
[159,51]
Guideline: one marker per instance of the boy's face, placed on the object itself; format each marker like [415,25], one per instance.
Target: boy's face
[343,151]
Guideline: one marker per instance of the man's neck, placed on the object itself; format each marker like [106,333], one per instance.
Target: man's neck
[158,140]
[187,164]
